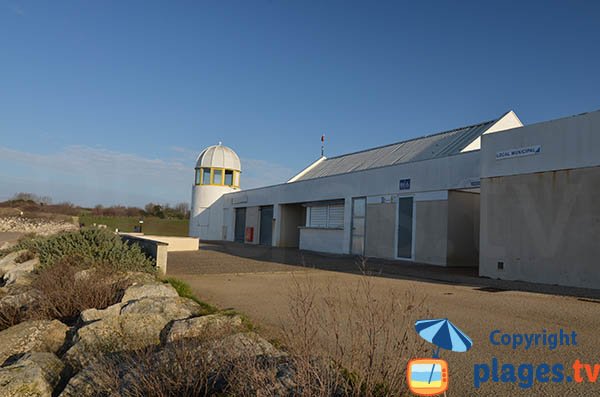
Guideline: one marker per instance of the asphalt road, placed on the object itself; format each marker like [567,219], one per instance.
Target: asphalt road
[257,281]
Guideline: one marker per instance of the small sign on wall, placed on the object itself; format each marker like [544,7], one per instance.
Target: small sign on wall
[404,184]
[519,152]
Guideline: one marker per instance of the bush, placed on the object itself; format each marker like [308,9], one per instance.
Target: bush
[89,248]
[370,338]
[67,291]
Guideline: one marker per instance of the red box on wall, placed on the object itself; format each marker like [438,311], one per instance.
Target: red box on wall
[249,234]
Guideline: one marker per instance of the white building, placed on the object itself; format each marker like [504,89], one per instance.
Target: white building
[420,199]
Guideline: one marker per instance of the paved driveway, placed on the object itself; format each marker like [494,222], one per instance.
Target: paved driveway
[257,281]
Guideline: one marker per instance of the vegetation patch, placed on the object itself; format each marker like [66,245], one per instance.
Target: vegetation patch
[88,248]
[151,225]
[185,291]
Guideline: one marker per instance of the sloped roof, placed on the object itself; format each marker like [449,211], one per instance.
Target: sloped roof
[428,147]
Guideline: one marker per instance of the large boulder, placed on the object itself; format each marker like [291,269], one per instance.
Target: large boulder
[247,344]
[155,290]
[203,327]
[114,334]
[84,383]
[37,335]
[10,261]
[172,308]
[34,374]
[19,274]
[90,315]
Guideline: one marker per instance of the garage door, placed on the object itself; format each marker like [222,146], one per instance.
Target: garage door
[240,224]
[266,225]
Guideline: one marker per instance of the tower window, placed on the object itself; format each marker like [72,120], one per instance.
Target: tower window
[217,177]
[198,176]
[206,176]
[229,177]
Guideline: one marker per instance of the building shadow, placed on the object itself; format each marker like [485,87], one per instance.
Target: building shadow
[393,269]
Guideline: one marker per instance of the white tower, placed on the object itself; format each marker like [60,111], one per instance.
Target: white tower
[217,172]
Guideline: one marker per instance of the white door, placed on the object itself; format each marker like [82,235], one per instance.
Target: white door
[359,212]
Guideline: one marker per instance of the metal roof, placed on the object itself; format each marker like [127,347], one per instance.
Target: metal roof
[428,147]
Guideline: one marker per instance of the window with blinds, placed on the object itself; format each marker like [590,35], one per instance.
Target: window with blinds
[326,216]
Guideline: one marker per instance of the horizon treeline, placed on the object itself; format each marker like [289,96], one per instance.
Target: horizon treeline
[33,202]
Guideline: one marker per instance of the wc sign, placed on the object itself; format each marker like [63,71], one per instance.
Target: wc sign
[404,184]
[519,152]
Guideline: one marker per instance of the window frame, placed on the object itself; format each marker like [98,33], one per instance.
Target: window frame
[327,215]
[204,170]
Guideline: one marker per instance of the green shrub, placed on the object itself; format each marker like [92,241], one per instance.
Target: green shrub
[89,248]
[185,291]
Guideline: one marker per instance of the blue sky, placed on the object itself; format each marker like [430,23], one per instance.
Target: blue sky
[110,102]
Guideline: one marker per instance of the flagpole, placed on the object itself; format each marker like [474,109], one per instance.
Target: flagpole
[322,145]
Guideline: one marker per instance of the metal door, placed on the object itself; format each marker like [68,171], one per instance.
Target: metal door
[359,213]
[266,225]
[240,224]
[405,227]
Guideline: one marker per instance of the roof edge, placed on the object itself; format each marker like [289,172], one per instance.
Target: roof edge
[305,170]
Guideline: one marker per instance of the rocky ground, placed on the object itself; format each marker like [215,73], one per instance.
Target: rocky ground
[43,227]
[51,358]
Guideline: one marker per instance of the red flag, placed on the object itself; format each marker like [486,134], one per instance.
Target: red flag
[323,138]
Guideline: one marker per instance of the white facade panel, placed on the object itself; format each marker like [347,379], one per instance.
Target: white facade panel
[572,142]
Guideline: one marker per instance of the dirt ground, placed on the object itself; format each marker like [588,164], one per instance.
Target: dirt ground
[257,281]
[9,237]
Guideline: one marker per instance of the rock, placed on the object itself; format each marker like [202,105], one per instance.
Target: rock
[7,245]
[34,374]
[39,226]
[9,261]
[83,384]
[171,308]
[20,272]
[89,315]
[213,324]
[131,278]
[114,334]
[247,344]
[157,290]
[37,335]
[20,299]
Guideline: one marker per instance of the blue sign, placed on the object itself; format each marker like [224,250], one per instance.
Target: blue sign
[404,184]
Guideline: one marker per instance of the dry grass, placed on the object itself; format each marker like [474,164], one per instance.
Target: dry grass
[62,292]
[11,315]
[368,340]
[187,368]
[67,291]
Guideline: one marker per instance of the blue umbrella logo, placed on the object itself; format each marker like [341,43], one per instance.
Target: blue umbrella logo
[443,334]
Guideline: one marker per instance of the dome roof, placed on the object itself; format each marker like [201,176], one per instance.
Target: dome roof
[219,156]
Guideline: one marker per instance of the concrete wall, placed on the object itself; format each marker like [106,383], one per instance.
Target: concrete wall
[454,172]
[572,142]
[463,229]
[176,243]
[322,240]
[253,220]
[291,218]
[156,250]
[380,240]
[544,227]
[431,231]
